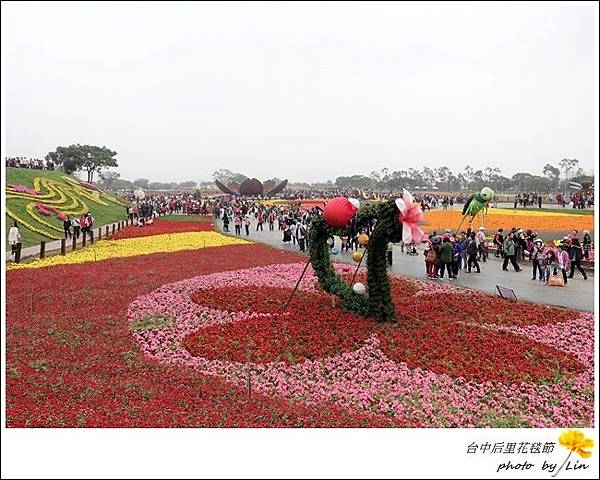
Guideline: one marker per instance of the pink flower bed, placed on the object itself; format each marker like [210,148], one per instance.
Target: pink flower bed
[366,380]
[23,189]
[48,209]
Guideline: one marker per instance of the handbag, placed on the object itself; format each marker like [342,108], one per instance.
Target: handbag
[556,281]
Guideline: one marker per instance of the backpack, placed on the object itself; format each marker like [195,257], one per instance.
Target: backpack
[431,256]
[472,248]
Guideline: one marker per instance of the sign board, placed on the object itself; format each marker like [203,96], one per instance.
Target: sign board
[507,293]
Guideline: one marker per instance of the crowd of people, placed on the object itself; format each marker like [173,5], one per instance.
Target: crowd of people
[446,255]
[26,162]
[429,200]
[580,199]
[528,199]
[293,222]
[80,225]
[185,203]
[449,253]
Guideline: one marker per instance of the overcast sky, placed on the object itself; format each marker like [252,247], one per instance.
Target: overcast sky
[301,91]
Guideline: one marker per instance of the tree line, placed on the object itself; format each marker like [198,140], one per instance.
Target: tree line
[113,181]
[92,159]
[552,179]
[88,158]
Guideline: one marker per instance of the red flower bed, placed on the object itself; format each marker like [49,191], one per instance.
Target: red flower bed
[72,361]
[428,335]
[43,209]
[311,328]
[259,300]
[160,226]
[475,307]
[475,353]
[48,209]
[89,186]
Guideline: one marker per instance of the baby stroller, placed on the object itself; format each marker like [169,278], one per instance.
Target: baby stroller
[411,249]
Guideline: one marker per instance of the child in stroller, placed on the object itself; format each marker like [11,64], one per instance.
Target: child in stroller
[411,249]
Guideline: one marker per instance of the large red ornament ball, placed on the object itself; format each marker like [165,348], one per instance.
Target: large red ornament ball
[339,211]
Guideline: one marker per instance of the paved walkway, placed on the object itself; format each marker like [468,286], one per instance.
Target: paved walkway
[578,294]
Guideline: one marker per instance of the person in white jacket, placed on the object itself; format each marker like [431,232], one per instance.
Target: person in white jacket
[14,237]
[564,261]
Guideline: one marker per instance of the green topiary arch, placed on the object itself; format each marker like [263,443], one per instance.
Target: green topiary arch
[377,302]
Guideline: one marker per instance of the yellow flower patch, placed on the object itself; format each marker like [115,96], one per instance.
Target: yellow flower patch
[131,247]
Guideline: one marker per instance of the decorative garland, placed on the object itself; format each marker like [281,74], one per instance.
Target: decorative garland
[329,279]
[377,303]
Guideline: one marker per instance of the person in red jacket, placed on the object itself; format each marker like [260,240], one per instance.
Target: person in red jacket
[86,221]
[83,224]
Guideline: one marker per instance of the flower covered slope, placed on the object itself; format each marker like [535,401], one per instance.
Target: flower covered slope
[39,201]
[170,339]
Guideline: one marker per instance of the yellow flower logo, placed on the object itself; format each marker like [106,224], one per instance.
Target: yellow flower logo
[576,441]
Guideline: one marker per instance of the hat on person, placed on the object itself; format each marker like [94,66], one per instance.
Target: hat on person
[481,228]
[538,240]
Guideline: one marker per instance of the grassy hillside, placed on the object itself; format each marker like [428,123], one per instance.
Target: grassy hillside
[65,194]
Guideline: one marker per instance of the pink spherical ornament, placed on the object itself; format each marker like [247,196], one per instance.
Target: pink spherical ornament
[339,211]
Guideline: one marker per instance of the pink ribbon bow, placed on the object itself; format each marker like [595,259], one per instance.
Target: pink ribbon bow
[410,215]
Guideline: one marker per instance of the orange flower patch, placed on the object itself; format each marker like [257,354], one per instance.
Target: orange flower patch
[439,220]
